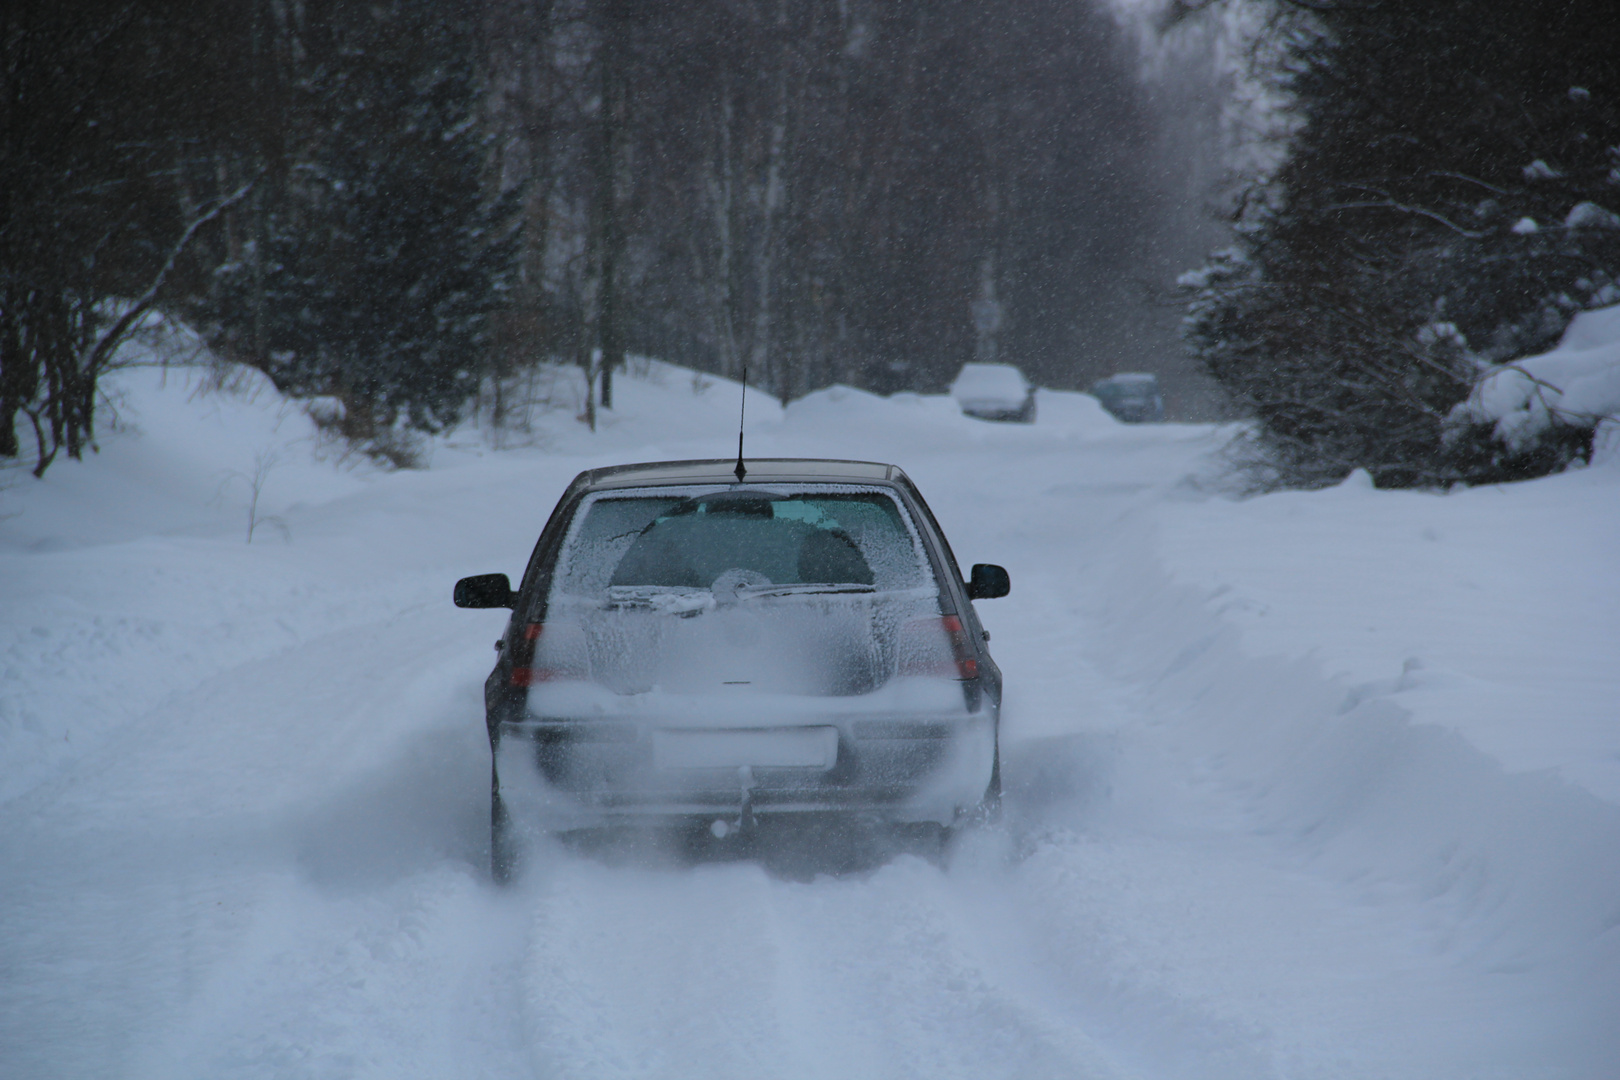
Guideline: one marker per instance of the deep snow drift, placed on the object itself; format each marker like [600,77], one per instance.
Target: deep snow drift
[1307,785]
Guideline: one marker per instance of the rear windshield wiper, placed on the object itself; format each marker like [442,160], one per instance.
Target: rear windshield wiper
[806,588]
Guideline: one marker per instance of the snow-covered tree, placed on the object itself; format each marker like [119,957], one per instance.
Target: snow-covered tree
[1448,199]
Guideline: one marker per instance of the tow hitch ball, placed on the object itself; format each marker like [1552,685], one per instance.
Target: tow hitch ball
[721,828]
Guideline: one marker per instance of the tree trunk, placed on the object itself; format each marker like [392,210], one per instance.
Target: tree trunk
[19,374]
[771,202]
[610,179]
[719,187]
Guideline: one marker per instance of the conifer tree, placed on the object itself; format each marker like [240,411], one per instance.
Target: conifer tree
[382,260]
[1449,201]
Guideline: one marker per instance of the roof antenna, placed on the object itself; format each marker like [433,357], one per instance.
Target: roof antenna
[741,412]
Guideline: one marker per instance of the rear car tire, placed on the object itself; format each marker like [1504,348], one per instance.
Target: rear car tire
[990,807]
[988,812]
[503,855]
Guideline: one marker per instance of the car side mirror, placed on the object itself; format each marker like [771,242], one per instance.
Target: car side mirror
[988,582]
[484,591]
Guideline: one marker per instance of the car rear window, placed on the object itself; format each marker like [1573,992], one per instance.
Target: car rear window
[783,535]
[805,589]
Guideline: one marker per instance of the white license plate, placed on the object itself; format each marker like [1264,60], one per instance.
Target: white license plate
[789,748]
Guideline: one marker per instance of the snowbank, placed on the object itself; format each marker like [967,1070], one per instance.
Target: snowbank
[126,576]
[1416,692]
[1577,383]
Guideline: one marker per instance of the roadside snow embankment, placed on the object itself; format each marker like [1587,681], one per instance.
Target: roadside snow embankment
[1416,692]
[126,577]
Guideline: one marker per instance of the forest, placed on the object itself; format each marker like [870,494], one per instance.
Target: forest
[406,205]
[402,204]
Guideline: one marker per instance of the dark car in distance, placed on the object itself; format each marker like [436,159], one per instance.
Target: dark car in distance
[1131,397]
[697,644]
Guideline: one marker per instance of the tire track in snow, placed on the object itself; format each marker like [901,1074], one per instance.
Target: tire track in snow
[409,980]
[223,847]
[723,971]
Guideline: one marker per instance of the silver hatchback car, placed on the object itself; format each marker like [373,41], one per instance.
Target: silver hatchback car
[691,646]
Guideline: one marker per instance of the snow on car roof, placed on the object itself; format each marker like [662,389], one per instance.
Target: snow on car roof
[989,380]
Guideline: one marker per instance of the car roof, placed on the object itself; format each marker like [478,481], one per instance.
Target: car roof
[989,378]
[723,471]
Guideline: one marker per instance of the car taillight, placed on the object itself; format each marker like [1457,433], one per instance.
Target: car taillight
[528,676]
[543,664]
[937,646]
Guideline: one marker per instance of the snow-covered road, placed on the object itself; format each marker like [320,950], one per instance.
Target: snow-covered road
[245,804]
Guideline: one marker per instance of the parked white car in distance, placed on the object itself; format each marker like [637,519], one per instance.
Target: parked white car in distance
[994,392]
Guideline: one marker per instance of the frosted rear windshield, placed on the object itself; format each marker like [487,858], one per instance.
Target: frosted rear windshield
[686,539]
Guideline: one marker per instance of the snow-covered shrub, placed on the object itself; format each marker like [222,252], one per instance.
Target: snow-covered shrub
[1549,404]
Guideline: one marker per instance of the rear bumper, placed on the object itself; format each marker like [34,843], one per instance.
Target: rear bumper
[574,774]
